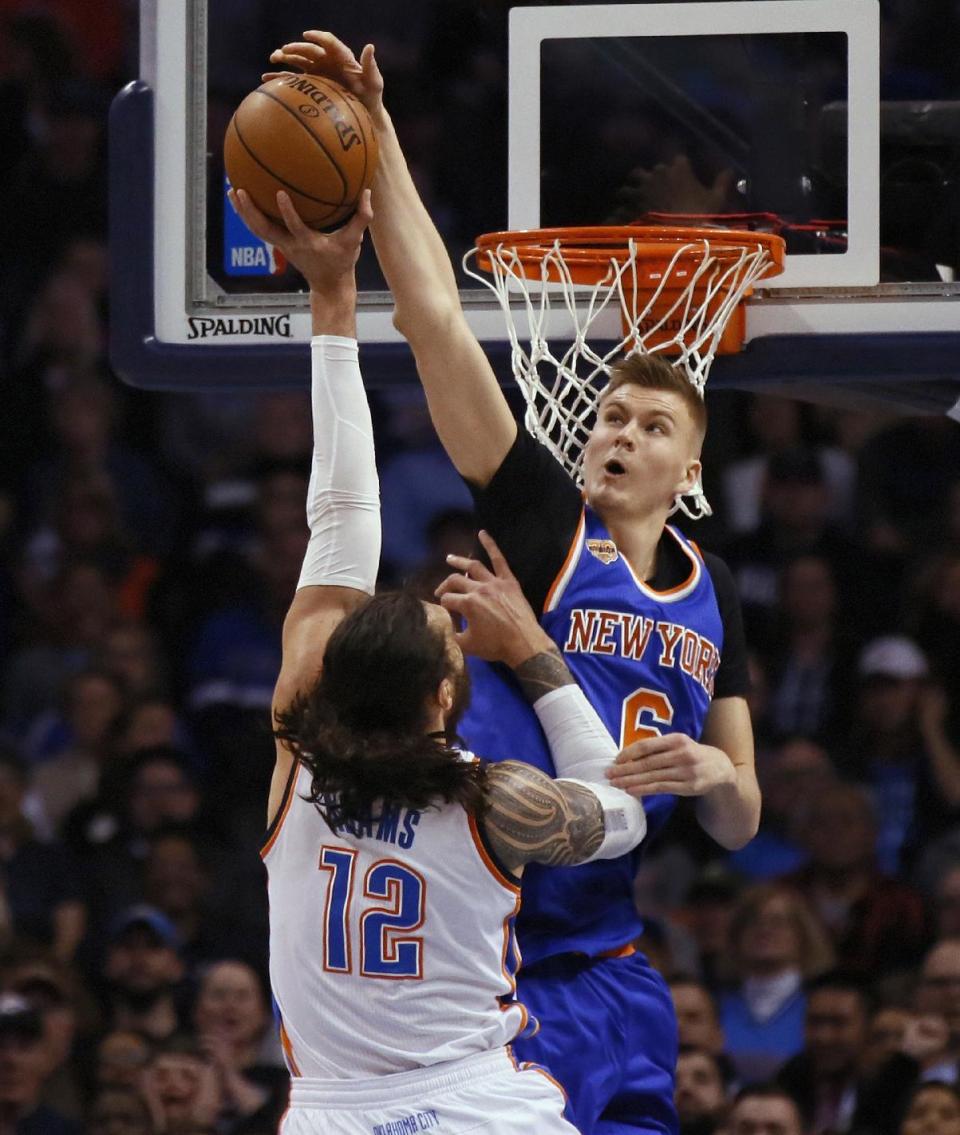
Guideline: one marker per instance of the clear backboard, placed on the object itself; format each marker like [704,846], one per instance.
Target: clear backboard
[840,122]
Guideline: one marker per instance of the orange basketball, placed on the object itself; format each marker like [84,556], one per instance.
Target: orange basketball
[309,136]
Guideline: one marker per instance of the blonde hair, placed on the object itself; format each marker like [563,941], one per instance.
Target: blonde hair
[816,954]
[653,372]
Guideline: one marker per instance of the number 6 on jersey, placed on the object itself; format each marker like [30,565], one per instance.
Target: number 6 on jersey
[653,705]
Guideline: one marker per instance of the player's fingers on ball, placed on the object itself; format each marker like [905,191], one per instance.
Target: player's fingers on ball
[258,224]
[365,207]
[357,225]
[291,217]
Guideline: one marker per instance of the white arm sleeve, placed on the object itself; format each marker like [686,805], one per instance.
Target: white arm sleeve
[582,751]
[343,500]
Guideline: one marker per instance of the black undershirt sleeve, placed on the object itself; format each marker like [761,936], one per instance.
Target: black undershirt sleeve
[531,507]
[733,675]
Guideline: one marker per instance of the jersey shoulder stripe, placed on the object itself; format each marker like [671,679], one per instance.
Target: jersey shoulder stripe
[565,573]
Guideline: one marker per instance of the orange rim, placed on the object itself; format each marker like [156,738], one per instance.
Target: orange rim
[588,250]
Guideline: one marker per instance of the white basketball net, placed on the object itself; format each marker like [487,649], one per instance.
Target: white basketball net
[562,391]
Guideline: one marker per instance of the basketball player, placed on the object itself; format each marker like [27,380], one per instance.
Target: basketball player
[648,624]
[393,858]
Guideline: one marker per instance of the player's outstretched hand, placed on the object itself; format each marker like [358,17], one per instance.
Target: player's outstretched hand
[321,53]
[500,625]
[324,260]
[673,763]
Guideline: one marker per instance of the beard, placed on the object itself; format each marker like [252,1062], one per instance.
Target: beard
[703,1125]
[139,1000]
[461,701]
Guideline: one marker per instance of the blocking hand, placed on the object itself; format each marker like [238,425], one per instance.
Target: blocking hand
[500,624]
[320,53]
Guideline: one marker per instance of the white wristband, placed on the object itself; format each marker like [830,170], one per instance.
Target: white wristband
[624,820]
[343,500]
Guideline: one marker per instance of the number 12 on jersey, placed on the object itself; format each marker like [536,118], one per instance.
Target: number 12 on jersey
[388,949]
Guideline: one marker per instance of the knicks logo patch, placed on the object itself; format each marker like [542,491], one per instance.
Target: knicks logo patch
[604,550]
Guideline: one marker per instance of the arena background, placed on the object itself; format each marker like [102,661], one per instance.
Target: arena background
[150,544]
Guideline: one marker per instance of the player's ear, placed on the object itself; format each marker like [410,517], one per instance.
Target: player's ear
[690,477]
[445,694]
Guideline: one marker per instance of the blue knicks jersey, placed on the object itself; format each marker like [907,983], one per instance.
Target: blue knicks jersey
[646,660]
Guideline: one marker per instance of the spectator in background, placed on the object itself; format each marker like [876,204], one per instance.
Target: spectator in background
[764,1110]
[811,662]
[900,748]
[120,1058]
[86,420]
[24,1065]
[900,501]
[776,425]
[154,789]
[131,653]
[142,973]
[62,340]
[231,1019]
[776,944]
[701,1091]
[792,778]
[698,1023]
[149,722]
[211,916]
[55,993]
[933,1110]
[119,1111]
[41,882]
[824,1078]
[707,913]
[937,622]
[417,483]
[181,1089]
[451,532]
[73,615]
[885,1034]
[877,924]
[796,523]
[938,997]
[71,774]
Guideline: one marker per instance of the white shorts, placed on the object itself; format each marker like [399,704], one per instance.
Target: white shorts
[488,1094]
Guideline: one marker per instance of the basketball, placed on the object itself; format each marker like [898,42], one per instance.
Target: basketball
[309,136]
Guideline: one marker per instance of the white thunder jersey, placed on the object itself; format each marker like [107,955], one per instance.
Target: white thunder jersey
[391,945]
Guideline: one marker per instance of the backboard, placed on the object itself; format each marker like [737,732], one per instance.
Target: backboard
[519,115]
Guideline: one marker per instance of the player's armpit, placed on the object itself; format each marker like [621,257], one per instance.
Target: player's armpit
[533,819]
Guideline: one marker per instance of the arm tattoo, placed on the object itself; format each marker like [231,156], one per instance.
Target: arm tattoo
[542,673]
[531,818]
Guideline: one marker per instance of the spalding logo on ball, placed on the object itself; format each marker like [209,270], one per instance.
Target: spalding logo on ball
[305,134]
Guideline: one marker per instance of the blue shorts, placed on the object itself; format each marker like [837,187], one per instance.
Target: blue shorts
[608,1033]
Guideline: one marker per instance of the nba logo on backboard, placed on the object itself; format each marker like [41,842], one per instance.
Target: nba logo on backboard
[243,253]
[604,550]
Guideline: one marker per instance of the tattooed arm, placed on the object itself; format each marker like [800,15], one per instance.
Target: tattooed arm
[533,819]
[530,816]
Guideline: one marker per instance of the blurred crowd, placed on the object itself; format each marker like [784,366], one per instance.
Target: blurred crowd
[149,547]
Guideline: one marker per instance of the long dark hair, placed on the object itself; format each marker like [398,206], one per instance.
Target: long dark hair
[361,730]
